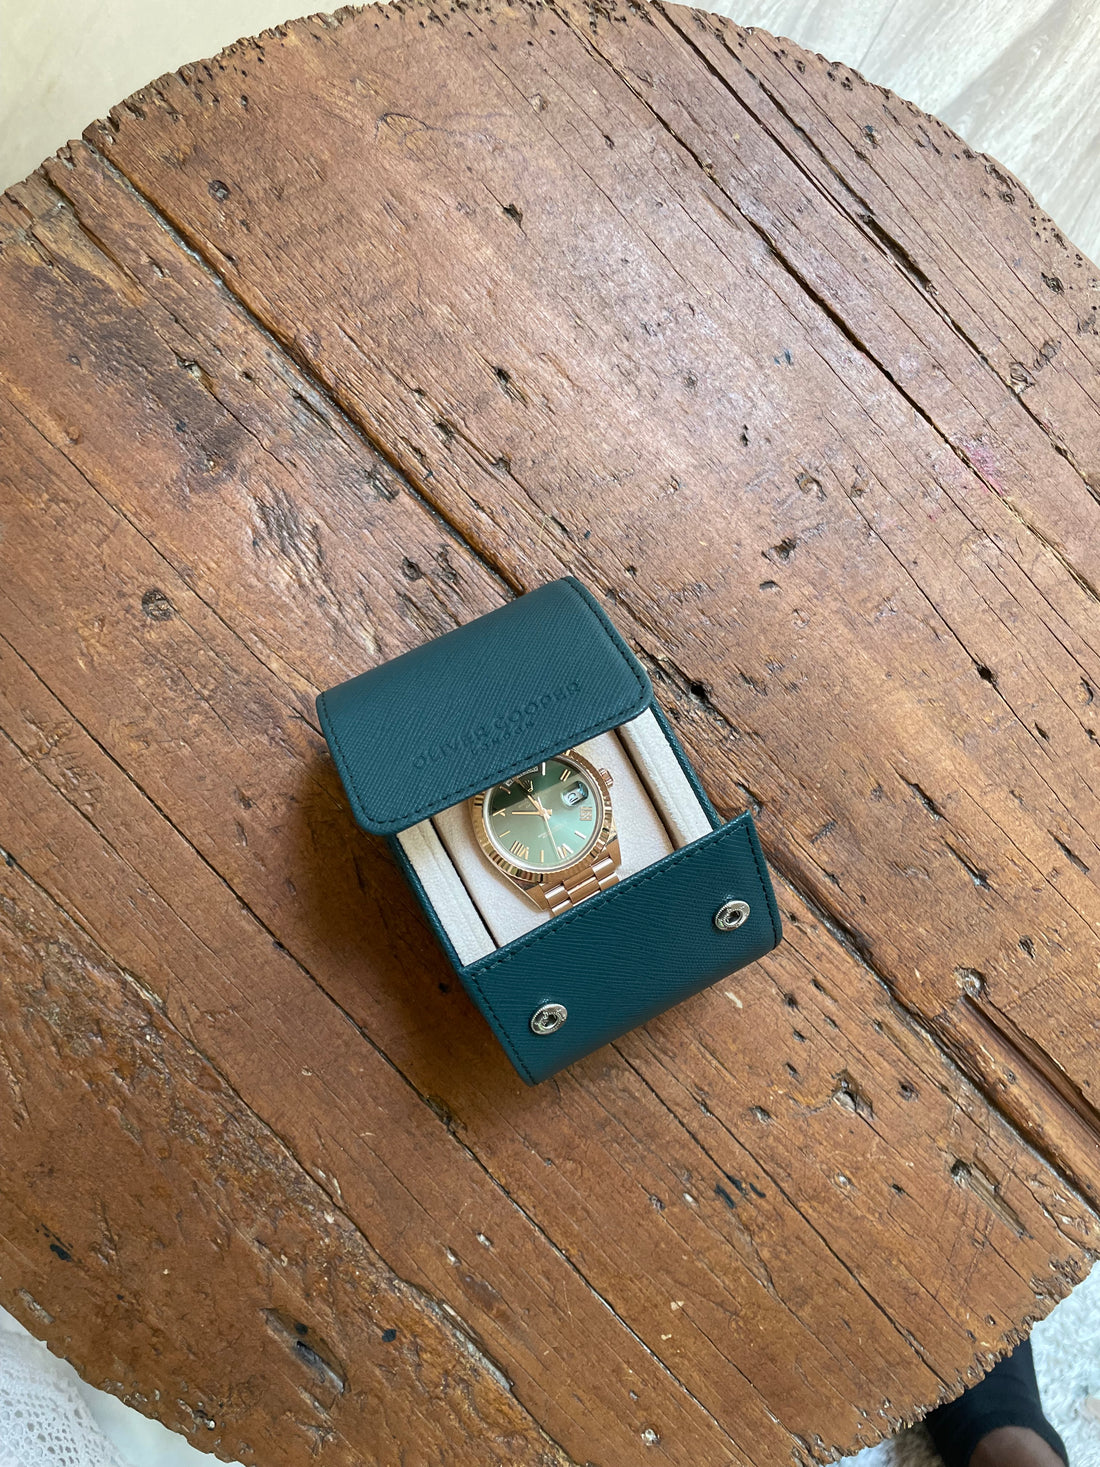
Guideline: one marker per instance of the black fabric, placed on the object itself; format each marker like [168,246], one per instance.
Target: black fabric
[1008,1396]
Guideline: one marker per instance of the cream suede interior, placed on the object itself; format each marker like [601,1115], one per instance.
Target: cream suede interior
[656,811]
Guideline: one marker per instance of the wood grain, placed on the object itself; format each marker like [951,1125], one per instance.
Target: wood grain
[312,353]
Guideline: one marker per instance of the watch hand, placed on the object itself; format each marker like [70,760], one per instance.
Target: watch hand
[538,810]
[546,816]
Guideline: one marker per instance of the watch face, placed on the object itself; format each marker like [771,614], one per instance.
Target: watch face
[545,819]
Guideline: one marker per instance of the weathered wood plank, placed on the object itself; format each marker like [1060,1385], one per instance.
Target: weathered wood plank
[999,268]
[796,1211]
[828,220]
[879,612]
[499,321]
[203,943]
[208,1218]
[605,1118]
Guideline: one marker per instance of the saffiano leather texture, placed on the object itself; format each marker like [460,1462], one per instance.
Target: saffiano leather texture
[626,954]
[478,705]
[485,702]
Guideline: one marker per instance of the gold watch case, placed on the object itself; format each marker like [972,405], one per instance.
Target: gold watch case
[606,841]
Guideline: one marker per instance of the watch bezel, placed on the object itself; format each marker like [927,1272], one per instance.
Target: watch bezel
[524,875]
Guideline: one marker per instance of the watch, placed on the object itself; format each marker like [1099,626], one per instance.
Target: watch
[550,831]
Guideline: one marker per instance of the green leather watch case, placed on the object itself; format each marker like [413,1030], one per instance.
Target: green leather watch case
[478,705]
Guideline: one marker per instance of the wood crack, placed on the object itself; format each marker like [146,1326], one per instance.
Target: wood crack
[938,1030]
[286,348]
[320,1360]
[904,1334]
[319,1178]
[873,230]
[898,251]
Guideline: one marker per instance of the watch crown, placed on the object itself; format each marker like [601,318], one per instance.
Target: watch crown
[607,777]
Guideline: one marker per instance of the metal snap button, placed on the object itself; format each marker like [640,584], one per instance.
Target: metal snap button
[731,915]
[549,1018]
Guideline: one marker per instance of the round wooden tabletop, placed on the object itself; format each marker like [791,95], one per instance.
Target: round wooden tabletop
[316,350]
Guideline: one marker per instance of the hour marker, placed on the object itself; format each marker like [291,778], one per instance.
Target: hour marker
[542,858]
[566,772]
[579,834]
[542,769]
[520,850]
[565,850]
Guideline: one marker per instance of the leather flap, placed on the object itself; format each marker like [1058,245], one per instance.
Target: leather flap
[623,956]
[479,704]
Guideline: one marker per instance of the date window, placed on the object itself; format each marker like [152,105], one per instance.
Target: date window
[574,794]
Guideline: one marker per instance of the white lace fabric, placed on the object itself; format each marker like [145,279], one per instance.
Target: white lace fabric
[43,1420]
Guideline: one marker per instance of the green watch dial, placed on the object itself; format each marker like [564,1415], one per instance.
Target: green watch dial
[545,819]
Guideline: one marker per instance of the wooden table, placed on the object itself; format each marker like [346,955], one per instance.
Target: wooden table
[312,352]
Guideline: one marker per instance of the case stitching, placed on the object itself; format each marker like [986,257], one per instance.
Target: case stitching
[553,927]
[499,1028]
[502,1033]
[739,822]
[761,871]
[472,789]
